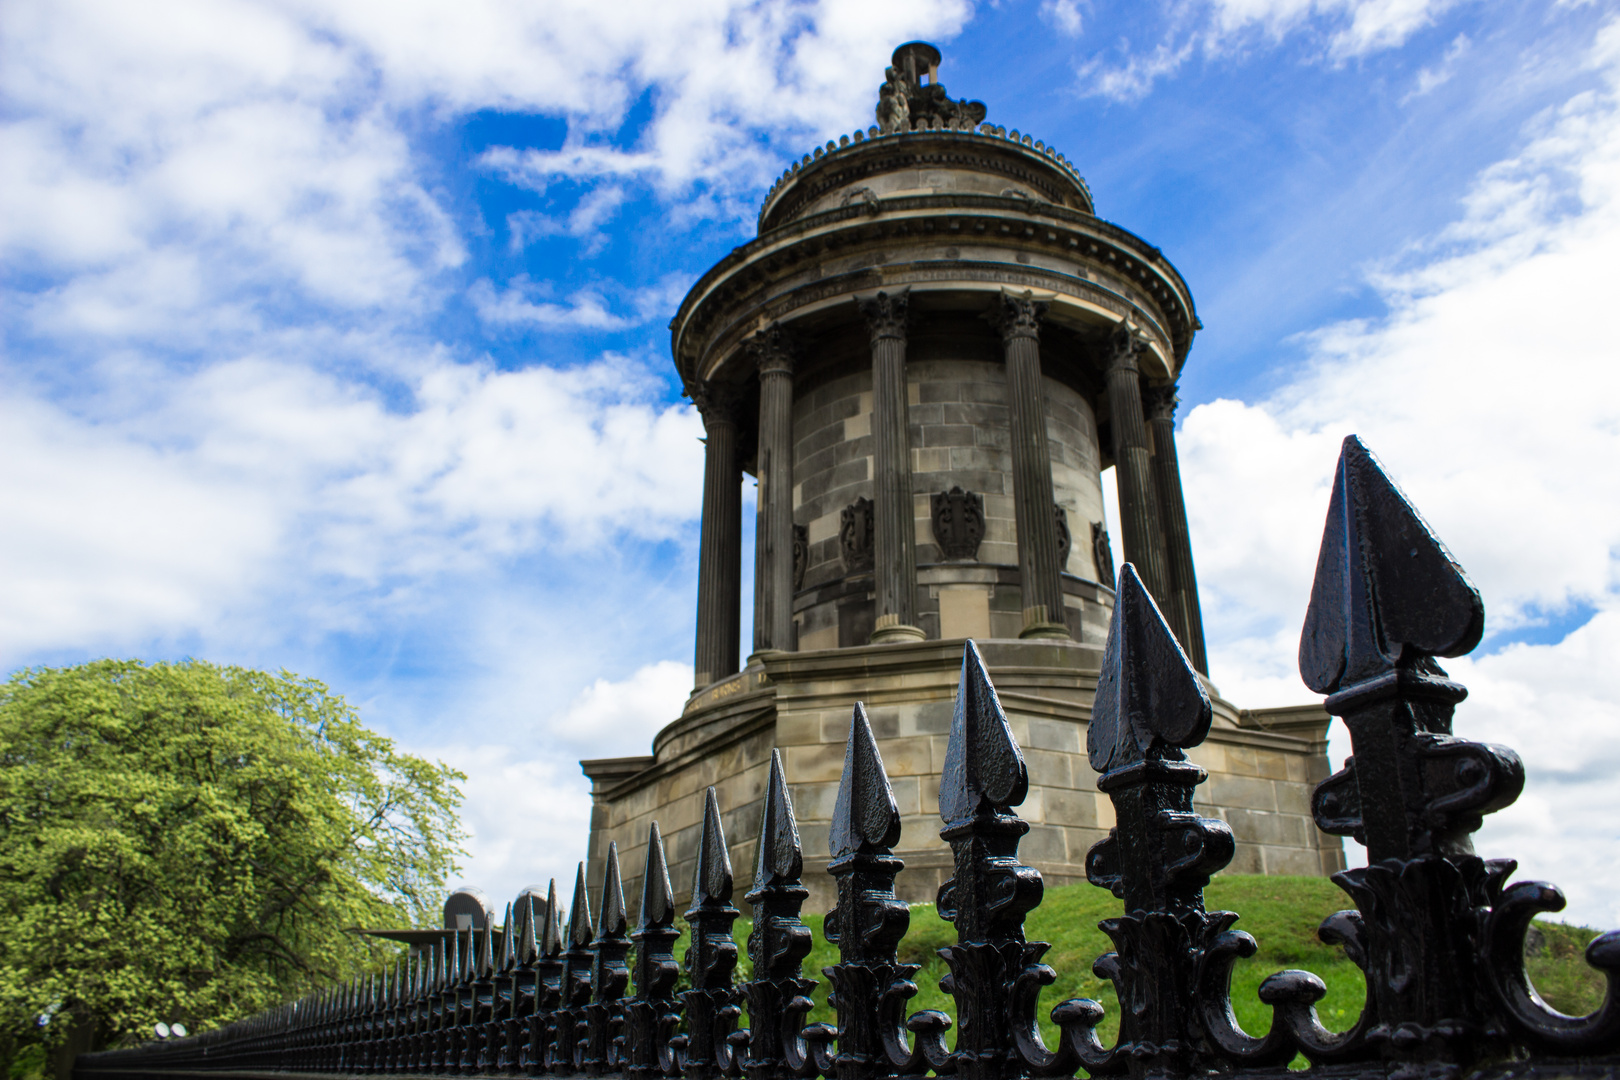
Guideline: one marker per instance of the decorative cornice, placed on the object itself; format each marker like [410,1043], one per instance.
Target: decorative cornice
[1159,402]
[885,313]
[1018,315]
[1103,248]
[773,351]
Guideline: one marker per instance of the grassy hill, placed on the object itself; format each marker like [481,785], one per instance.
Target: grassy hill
[1282,913]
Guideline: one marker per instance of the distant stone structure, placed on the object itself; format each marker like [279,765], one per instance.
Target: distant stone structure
[926,359]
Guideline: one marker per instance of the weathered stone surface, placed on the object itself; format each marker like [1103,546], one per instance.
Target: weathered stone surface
[1257,783]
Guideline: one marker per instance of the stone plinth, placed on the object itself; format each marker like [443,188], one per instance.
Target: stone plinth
[1262,764]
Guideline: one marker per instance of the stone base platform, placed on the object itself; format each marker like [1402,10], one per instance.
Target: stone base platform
[1262,764]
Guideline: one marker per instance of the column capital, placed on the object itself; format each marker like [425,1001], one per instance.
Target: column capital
[1018,315]
[774,350]
[716,402]
[886,313]
[1125,344]
[1159,402]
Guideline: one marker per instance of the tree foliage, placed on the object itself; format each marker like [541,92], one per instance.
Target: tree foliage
[192,842]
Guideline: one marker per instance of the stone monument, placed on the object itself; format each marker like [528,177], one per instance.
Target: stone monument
[926,359]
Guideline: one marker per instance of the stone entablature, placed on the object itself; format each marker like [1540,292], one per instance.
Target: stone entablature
[1097,273]
[1262,764]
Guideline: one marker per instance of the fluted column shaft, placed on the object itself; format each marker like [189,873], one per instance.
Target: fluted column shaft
[773,555]
[894,542]
[719,603]
[1034,510]
[1133,466]
[1161,412]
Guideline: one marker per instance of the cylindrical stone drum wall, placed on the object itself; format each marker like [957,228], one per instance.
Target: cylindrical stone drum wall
[957,411]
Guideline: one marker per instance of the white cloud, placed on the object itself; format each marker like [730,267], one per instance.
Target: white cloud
[1351,28]
[1491,394]
[254,482]
[517,305]
[1372,24]
[613,718]
[1439,74]
[594,209]
[1063,14]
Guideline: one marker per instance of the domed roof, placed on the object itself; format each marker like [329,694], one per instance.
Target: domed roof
[924,143]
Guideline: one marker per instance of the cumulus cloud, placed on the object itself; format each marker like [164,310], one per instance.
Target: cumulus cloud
[252,477]
[1490,394]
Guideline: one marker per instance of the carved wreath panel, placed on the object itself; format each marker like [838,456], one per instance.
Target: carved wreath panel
[1102,554]
[958,520]
[855,536]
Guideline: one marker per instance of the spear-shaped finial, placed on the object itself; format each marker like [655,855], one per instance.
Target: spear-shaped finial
[612,922]
[1387,592]
[711,876]
[866,817]
[657,896]
[551,945]
[469,958]
[1149,700]
[781,858]
[579,913]
[508,941]
[527,946]
[486,950]
[984,769]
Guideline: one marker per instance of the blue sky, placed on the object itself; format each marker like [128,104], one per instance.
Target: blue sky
[334,338]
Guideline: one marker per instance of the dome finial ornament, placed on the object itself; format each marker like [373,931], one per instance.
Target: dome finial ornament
[911,92]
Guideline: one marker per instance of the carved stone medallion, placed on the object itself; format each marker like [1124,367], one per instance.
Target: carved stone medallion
[958,520]
[801,554]
[855,536]
[1102,554]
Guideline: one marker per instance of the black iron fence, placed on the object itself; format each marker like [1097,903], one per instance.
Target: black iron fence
[1437,931]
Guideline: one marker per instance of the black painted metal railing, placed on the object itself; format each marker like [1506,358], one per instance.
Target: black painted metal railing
[1436,930]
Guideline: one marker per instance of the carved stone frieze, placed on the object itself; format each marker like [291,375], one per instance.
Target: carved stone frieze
[958,520]
[855,536]
[1102,554]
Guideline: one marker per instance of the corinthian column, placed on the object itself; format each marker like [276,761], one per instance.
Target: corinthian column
[773,553]
[894,543]
[719,603]
[1160,403]
[1138,502]
[1018,319]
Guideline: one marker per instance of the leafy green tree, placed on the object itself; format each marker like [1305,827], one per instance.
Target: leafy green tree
[187,842]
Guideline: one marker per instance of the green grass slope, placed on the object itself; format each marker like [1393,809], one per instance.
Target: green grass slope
[1281,913]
